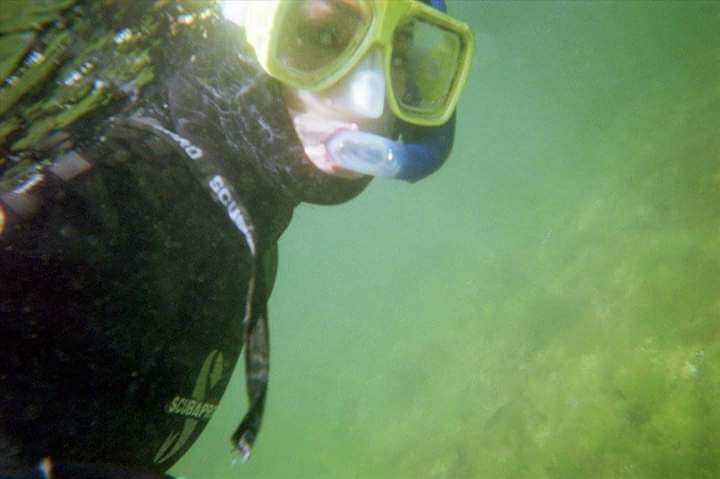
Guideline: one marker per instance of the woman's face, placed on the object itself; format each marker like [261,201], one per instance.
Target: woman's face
[357,102]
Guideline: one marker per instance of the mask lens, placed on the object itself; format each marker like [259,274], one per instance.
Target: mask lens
[318,34]
[425,65]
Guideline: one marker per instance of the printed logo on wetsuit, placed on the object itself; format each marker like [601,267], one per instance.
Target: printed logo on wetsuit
[189,407]
[194,152]
[223,195]
[194,409]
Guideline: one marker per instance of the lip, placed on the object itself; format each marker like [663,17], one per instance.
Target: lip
[314,132]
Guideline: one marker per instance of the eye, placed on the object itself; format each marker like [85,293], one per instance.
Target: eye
[315,33]
[331,25]
[327,36]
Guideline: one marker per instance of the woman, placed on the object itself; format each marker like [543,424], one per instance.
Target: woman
[148,172]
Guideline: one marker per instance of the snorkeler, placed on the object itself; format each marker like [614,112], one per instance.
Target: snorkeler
[139,249]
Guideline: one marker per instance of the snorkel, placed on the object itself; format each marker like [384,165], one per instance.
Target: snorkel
[419,151]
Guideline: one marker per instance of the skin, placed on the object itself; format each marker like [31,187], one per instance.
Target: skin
[357,102]
[318,115]
[317,118]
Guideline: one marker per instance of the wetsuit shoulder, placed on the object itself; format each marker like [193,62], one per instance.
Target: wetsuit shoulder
[123,289]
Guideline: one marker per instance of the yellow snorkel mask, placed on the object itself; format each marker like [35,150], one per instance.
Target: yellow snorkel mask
[355,57]
[313,44]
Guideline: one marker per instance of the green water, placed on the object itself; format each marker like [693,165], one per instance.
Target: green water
[546,306]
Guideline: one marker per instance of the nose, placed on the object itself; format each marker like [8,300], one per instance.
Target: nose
[362,91]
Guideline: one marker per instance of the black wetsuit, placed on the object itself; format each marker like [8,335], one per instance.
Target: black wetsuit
[137,259]
[123,299]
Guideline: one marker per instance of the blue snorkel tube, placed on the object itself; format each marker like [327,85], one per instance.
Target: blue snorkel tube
[425,149]
[421,151]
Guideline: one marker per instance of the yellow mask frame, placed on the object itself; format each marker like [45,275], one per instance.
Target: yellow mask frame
[267,19]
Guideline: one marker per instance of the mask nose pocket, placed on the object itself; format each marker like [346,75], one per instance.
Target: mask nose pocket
[362,91]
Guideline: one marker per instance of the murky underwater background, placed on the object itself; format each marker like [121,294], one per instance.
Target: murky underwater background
[546,306]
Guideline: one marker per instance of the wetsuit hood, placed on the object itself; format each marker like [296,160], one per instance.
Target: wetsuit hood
[224,101]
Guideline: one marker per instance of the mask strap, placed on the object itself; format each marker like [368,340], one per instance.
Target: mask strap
[436,4]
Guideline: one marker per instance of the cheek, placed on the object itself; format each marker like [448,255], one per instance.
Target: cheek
[384,126]
[317,104]
[320,105]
